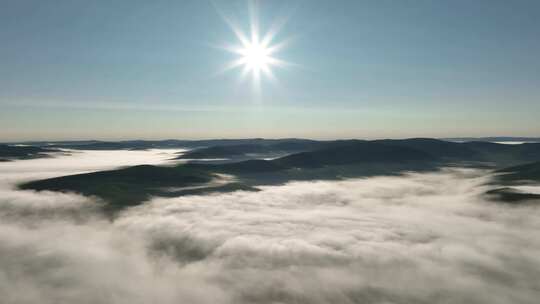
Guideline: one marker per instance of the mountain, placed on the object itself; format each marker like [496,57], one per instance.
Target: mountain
[251,150]
[9,152]
[252,166]
[354,152]
[126,186]
[514,176]
[512,195]
[332,160]
[495,139]
[500,155]
[129,186]
[167,144]
[225,151]
[527,172]
[436,148]
[477,151]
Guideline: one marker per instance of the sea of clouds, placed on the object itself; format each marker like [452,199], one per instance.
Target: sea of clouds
[416,238]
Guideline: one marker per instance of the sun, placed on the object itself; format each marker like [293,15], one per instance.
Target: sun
[256,59]
[256,56]
[255,52]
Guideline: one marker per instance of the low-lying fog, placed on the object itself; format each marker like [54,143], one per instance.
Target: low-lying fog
[419,238]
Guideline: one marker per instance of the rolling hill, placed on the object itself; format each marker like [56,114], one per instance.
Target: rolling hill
[10,152]
[338,159]
[514,176]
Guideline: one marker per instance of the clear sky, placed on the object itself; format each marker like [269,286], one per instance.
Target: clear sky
[79,69]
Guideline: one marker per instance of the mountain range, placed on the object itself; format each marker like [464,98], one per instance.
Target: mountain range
[320,160]
[12,152]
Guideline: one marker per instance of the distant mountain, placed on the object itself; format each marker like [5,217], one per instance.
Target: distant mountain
[351,151]
[252,166]
[436,148]
[252,150]
[505,155]
[10,152]
[331,160]
[414,149]
[167,144]
[495,139]
[130,186]
[480,149]
[354,152]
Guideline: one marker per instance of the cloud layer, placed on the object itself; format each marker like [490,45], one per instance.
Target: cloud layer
[418,238]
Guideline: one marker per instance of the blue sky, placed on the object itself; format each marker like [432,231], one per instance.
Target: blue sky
[361,69]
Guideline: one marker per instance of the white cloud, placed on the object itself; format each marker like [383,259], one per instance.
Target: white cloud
[419,238]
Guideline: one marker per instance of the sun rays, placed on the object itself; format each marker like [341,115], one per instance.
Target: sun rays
[256,52]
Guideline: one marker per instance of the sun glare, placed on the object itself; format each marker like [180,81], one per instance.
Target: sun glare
[256,51]
[256,56]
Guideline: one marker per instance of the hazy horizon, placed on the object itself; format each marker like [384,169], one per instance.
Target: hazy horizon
[115,139]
